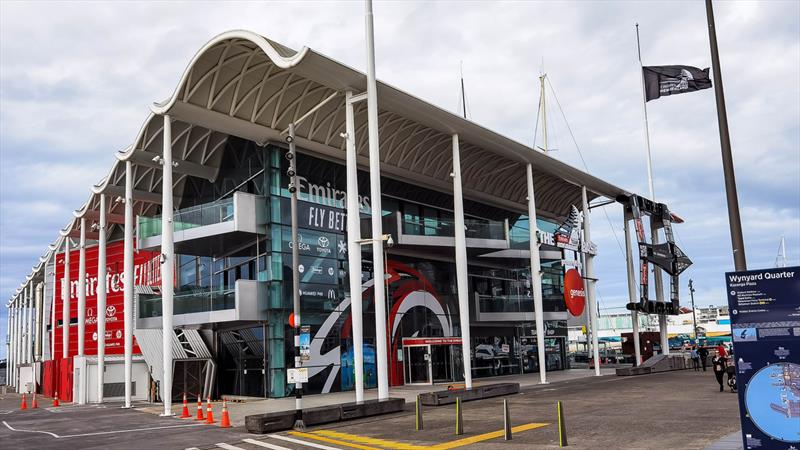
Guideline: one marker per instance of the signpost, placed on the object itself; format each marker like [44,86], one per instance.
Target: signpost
[765,322]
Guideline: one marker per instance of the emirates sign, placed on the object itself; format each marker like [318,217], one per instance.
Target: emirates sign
[574,293]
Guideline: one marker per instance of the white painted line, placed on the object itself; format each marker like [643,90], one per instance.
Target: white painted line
[301,442]
[192,448]
[228,447]
[265,444]
[136,429]
[30,431]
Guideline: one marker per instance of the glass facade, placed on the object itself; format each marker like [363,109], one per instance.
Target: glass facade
[421,299]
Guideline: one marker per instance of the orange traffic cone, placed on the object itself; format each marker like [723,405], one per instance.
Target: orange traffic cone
[226,420]
[209,412]
[185,414]
[199,408]
[24,404]
[55,400]
[34,405]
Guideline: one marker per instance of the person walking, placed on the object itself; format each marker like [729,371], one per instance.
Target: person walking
[721,350]
[695,359]
[719,364]
[702,352]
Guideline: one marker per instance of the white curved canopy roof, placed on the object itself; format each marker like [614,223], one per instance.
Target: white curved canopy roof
[243,84]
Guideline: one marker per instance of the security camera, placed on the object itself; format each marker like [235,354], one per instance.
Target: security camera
[292,188]
[289,139]
[290,172]
[390,242]
[289,156]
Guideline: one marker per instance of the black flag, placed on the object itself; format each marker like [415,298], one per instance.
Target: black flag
[669,80]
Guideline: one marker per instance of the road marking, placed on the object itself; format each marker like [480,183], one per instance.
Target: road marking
[267,445]
[331,441]
[368,440]
[228,447]
[347,439]
[192,448]
[486,436]
[136,429]
[298,441]
[99,432]
[29,431]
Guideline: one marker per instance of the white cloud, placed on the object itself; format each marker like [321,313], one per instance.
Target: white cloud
[76,80]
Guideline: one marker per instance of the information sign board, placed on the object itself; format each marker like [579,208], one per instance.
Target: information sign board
[765,322]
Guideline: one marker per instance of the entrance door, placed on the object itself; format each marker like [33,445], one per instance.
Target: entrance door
[418,364]
[441,364]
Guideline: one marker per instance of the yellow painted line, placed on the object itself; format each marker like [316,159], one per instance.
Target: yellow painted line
[358,441]
[331,441]
[486,436]
[368,440]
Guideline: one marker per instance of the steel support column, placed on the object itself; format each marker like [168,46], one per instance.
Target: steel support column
[38,300]
[167,263]
[100,291]
[590,282]
[82,291]
[128,281]
[53,308]
[65,297]
[375,197]
[13,341]
[27,350]
[632,290]
[536,277]
[8,345]
[461,264]
[354,248]
[659,286]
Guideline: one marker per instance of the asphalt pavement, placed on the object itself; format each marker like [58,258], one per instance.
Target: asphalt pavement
[682,409]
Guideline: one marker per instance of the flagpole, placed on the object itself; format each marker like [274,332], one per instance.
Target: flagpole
[646,124]
[659,287]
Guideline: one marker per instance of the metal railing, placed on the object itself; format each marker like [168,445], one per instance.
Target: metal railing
[475,228]
[196,216]
[187,302]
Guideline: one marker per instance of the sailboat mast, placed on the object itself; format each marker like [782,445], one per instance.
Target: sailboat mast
[543,111]
[463,95]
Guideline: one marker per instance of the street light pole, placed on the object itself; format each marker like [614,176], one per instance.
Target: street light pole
[292,173]
[694,315]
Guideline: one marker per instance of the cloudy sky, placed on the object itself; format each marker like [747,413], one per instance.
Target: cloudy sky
[76,80]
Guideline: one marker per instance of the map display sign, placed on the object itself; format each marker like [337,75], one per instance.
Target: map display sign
[765,323]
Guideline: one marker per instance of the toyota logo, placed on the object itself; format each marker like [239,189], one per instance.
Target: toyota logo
[111,311]
[323,242]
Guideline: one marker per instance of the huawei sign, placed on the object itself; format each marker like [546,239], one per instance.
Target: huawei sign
[574,293]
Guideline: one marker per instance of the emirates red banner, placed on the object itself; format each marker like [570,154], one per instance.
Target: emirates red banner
[147,271]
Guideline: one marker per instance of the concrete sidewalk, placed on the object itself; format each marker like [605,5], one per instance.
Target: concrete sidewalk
[240,407]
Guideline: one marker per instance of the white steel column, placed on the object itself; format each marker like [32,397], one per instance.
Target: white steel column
[38,300]
[659,285]
[461,265]
[536,278]
[27,353]
[354,249]
[65,297]
[167,262]
[14,336]
[128,280]
[590,282]
[82,292]
[100,291]
[375,197]
[53,309]
[632,290]
[8,345]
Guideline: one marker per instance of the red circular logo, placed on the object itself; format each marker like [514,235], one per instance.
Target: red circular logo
[574,293]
